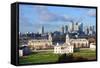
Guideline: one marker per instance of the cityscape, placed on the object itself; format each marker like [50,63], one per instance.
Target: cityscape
[47,37]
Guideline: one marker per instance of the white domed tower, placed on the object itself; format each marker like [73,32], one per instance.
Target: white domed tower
[67,38]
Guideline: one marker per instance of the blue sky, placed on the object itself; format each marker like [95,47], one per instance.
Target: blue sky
[32,17]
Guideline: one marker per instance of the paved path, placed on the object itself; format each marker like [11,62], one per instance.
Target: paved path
[41,50]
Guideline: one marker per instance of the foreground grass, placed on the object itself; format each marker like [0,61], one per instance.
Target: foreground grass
[49,57]
[88,54]
[41,57]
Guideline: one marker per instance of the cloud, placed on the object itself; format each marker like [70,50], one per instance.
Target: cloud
[47,16]
[91,13]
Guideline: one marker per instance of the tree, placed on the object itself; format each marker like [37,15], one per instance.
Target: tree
[65,58]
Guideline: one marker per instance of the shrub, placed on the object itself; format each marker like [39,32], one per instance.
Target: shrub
[65,58]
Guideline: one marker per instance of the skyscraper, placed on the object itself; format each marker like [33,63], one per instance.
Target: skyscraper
[76,26]
[62,29]
[91,30]
[81,27]
[87,30]
[72,26]
[66,28]
[41,30]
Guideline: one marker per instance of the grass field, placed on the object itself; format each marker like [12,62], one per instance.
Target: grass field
[41,57]
[49,57]
[88,54]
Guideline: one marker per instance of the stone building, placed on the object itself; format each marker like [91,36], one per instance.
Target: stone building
[70,45]
[40,43]
[78,42]
[65,48]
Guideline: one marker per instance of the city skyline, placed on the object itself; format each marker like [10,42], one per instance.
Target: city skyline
[32,17]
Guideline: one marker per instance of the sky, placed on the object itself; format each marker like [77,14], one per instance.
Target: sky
[33,17]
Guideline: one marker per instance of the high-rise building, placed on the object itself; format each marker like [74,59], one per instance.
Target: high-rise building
[62,29]
[41,31]
[73,27]
[92,30]
[87,30]
[81,27]
[66,28]
[76,26]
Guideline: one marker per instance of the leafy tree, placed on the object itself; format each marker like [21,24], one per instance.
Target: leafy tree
[65,58]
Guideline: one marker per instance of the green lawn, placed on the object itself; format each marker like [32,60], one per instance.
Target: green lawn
[46,57]
[89,54]
[41,57]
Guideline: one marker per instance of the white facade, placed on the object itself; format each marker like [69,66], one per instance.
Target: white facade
[20,52]
[92,46]
[61,49]
[57,49]
[70,44]
[79,43]
[41,43]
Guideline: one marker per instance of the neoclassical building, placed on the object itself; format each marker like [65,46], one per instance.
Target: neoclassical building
[78,42]
[70,44]
[41,43]
[65,48]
